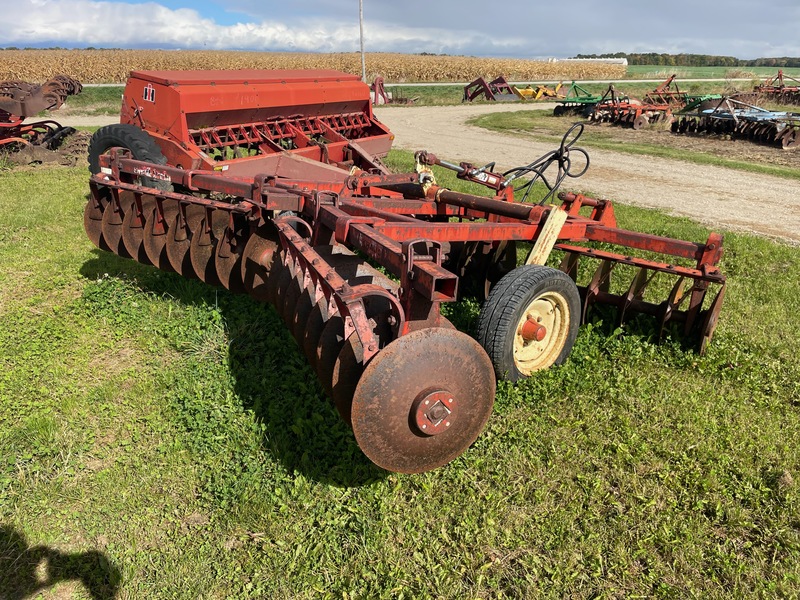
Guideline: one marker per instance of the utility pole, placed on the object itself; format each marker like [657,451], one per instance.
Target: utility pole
[361,28]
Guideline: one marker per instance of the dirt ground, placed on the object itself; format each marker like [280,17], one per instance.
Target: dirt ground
[715,196]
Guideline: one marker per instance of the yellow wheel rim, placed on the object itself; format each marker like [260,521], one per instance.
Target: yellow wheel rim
[541,333]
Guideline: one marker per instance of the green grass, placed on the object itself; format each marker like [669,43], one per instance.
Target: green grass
[655,72]
[95,101]
[164,439]
[552,129]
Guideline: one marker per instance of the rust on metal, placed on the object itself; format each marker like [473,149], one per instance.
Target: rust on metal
[285,198]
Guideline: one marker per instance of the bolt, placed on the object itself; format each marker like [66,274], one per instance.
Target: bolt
[427,402]
[424,426]
[437,412]
[447,424]
[450,400]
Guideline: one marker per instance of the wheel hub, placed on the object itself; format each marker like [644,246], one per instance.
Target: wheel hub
[433,412]
[533,331]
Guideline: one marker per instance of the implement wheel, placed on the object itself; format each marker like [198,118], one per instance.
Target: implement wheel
[142,147]
[423,400]
[530,321]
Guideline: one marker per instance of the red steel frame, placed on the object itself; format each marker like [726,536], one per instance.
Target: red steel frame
[365,212]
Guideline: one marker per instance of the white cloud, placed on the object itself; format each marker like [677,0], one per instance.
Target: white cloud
[529,29]
[110,24]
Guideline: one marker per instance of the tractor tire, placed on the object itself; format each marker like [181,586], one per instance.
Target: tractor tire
[142,147]
[530,321]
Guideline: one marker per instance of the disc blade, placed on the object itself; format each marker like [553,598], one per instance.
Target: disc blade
[710,321]
[204,245]
[179,240]
[228,260]
[347,371]
[133,228]
[257,260]
[328,348]
[155,241]
[305,304]
[93,220]
[112,224]
[442,366]
[292,295]
[313,330]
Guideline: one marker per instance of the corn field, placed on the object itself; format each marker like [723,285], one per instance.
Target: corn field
[113,66]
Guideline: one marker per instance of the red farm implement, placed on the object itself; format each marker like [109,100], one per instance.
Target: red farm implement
[657,106]
[271,184]
[381,96]
[20,100]
[497,89]
[619,109]
[781,88]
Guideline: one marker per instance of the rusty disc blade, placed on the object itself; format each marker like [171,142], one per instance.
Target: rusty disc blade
[347,371]
[293,293]
[710,321]
[258,259]
[228,260]
[391,422]
[112,225]
[133,229]
[179,240]
[305,304]
[669,307]
[313,330]
[155,243]
[93,221]
[204,245]
[279,285]
[330,344]
[789,139]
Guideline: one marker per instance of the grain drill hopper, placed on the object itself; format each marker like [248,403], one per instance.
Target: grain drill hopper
[20,100]
[271,184]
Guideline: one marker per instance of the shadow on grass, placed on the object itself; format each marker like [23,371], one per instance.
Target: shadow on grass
[26,571]
[272,377]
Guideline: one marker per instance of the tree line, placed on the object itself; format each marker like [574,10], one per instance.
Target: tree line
[696,60]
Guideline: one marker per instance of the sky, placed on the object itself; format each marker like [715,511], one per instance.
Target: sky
[511,28]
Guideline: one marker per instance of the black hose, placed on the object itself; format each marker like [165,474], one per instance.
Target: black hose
[540,166]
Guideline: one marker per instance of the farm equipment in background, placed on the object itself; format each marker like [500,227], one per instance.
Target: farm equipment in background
[271,184]
[540,92]
[497,89]
[775,88]
[619,109]
[576,100]
[381,96]
[20,100]
[658,106]
[739,120]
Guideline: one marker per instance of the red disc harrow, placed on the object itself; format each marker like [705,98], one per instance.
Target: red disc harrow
[271,184]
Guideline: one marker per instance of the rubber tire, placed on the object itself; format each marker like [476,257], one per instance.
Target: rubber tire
[142,147]
[505,306]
